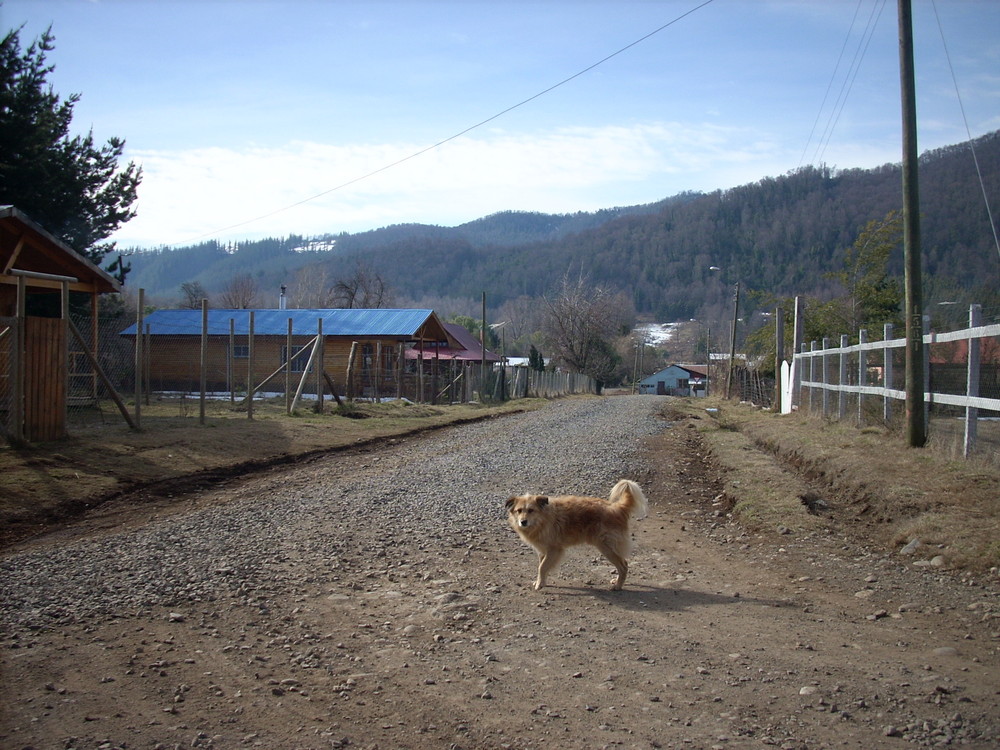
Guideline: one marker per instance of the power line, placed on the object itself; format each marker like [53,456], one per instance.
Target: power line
[968,132]
[848,84]
[829,86]
[450,138]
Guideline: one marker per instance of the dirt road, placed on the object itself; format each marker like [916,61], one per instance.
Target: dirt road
[719,640]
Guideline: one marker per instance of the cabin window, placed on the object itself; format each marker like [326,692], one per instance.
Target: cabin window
[300,357]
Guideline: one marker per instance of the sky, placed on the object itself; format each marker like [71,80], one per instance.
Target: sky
[264,118]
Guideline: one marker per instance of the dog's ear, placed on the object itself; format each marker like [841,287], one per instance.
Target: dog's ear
[510,502]
[542,501]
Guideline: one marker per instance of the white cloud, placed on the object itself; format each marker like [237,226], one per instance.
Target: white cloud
[220,193]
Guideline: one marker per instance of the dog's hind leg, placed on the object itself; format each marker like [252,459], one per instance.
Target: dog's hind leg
[618,561]
[547,561]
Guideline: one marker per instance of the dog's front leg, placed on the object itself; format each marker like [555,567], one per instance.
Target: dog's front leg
[546,562]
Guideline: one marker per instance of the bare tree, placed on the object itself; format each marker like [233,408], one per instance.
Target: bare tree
[524,316]
[192,293]
[366,289]
[312,288]
[240,293]
[582,323]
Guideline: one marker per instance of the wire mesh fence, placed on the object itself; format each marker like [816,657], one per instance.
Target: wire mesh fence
[8,348]
[115,375]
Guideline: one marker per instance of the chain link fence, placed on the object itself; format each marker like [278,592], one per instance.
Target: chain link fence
[9,345]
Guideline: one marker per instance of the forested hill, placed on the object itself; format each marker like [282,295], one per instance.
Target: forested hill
[780,235]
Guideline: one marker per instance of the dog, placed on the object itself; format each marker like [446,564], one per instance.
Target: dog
[551,524]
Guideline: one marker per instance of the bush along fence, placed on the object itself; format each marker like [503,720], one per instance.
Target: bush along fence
[864,382]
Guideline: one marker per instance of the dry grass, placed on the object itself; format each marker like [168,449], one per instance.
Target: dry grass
[871,483]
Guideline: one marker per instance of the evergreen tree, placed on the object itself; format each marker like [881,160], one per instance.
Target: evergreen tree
[70,186]
[535,359]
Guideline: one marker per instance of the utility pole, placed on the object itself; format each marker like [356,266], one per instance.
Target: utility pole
[732,343]
[916,427]
[779,355]
[482,361]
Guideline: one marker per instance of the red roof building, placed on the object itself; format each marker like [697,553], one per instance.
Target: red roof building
[468,350]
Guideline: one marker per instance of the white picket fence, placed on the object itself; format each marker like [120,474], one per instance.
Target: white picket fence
[828,378]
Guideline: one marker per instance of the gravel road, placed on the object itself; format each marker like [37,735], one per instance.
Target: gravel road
[379,600]
[448,487]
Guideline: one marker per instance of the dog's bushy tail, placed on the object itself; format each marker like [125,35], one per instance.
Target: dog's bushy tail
[631,494]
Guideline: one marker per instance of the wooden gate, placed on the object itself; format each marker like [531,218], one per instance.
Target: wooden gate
[44,354]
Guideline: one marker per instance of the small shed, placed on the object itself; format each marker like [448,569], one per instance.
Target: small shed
[38,272]
[369,343]
[676,380]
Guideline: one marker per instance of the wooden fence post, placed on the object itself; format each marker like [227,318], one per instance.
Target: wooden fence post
[434,374]
[147,363]
[350,370]
[862,374]
[203,363]
[250,388]
[400,360]
[289,356]
[972,383]
[812,373]
[926,350]
[320,355]
[826,378]
[887,373]
[842,379]
[140,303]
[305,372]
[231,362]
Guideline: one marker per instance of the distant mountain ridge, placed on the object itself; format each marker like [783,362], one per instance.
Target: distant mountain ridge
[780,235]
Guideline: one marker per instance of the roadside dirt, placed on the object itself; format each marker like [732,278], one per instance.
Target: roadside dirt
[722,638]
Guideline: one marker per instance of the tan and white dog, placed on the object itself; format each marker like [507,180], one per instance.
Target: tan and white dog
[551,524]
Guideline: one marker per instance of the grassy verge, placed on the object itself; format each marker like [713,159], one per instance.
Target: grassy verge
[801,473]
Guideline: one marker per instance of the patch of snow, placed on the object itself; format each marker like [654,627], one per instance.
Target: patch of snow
[656,334]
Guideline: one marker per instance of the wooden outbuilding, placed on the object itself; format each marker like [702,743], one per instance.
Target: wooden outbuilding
[247,348]
[38,272]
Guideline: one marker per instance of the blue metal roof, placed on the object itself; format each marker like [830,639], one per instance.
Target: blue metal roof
[392,323]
